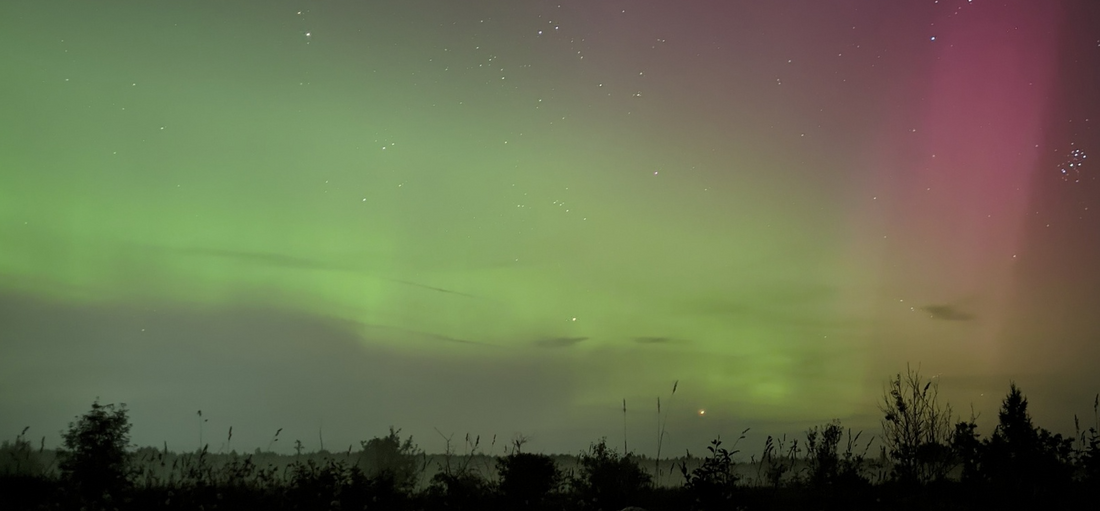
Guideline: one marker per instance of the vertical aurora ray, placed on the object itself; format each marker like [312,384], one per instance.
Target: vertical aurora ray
[958,162]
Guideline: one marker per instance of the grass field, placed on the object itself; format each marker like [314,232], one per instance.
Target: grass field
[922,459]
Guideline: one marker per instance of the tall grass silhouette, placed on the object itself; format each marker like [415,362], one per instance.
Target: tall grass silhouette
[661,430]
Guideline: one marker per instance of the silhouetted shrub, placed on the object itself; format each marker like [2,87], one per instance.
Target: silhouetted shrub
[835,477]
[608,480]
[828,465]
[391,459]
[916,429]
[19,459]
[821,454]
[526,479]
[316,485]
[776,466]
[95,461]
[713,485]
[967,446]
[465,490]
[458,484]
[1089,453]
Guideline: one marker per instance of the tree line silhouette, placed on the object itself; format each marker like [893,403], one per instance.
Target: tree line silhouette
[926,460]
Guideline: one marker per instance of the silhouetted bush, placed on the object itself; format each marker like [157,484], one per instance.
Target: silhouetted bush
[828,465]
[777,467]
[95,461]
[458,484]
[835,478]
[609,480]
[967,446]
[390,459]
[464,490]
[916,429]
[316,485]
[527,480]
[19,459]
[1089,452]
[713,485]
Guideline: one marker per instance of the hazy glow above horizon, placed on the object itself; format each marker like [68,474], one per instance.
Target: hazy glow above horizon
[517,214]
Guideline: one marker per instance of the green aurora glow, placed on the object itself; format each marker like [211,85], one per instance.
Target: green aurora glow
[454,188]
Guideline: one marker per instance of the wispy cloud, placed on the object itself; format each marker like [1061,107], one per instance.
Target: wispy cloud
[433,288]
[301,263]
[427,335]
[808,306]
[658,340]
[947,313]
[267,258]
[559,342]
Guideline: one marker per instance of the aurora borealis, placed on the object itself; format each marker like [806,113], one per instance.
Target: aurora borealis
[505,217]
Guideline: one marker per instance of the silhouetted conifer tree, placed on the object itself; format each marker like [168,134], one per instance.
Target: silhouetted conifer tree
[1021,459]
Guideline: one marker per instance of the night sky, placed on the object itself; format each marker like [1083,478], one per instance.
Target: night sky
[506,216]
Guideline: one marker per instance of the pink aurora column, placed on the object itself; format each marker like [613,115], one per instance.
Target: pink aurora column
[953,170]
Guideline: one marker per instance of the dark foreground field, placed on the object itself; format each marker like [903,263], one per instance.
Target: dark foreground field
[926,461]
